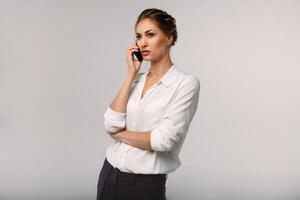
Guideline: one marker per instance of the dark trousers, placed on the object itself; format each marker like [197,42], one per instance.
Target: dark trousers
[114,184]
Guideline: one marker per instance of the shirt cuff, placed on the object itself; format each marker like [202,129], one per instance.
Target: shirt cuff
[160,142]
[115,115]
[114,121]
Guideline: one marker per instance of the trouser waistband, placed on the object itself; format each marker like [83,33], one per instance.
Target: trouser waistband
[116,170]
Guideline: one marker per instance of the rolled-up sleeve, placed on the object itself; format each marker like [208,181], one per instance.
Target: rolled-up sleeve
[177,118]
[114,121]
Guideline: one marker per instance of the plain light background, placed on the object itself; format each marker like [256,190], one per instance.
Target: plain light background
[62,63]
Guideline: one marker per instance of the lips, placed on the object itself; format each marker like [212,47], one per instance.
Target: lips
[145,53]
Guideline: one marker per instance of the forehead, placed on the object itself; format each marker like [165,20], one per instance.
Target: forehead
[146,24]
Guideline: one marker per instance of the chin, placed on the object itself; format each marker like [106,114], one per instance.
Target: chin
[151,59]
[147,58]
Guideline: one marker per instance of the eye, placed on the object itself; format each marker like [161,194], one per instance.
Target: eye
[151,34]
[137,37]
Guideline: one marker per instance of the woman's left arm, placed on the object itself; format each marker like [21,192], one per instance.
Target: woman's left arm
[136,139]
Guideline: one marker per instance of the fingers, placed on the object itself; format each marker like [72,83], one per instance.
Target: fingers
[132,46]
[131,49]
[129,54]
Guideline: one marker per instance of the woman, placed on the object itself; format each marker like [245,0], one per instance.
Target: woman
[149,117]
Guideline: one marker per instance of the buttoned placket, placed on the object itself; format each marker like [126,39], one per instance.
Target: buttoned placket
[123,160]
[150,89]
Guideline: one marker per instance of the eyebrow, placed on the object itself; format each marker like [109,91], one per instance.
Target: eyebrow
[145,31]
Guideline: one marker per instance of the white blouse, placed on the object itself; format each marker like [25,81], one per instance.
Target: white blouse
[166,109]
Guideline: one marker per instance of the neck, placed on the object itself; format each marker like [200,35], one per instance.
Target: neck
[160,67]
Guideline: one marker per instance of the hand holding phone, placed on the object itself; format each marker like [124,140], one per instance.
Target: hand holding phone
[138,55]
[134,65]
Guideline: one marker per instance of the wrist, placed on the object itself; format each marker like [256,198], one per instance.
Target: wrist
[131,75]
[114,135]
[117,136]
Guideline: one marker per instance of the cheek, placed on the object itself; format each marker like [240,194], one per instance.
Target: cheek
[159,46]
[158,42]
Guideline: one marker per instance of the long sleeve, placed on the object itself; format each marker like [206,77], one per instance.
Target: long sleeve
[114,121]
[178,116]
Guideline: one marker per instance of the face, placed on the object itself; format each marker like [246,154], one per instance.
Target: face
[150,38]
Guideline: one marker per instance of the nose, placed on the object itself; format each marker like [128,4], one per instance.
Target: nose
[143,43]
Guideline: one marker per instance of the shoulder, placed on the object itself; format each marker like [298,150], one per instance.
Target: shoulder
[192,81]
[188,80]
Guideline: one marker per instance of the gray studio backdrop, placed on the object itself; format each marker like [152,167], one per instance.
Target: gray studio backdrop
[62,63]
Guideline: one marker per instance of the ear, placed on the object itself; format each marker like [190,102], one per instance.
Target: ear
[169,40]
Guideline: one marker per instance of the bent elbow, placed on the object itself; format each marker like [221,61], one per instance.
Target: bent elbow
[114,127]
[163,143]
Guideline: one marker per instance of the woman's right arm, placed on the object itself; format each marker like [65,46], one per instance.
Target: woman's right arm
[115,115]
[120,101]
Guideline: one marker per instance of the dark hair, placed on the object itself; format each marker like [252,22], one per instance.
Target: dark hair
[164,21]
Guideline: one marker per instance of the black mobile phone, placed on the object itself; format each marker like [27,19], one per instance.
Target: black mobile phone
[138,55]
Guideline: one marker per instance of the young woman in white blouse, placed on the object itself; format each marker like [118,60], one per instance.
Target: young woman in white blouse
[149,117]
